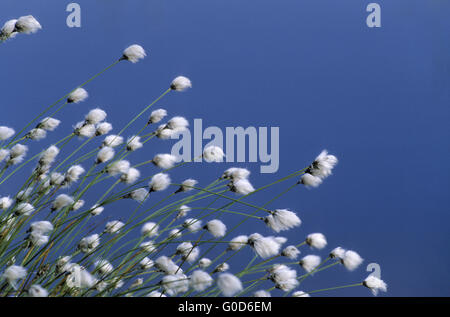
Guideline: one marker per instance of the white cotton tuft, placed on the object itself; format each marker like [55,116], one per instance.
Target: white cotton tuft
[157,115]
[323,165]
[18,150]
[175,284]
[242,187]
[83,129]
[42,227]
[38,239]
[200,280]
[103,266]
[24,209]
[310,180]
[27,24]
[131,176]
[56,178]
[235,173]
[222,267]
[282,219]
[134,53]
[175,233]
[159,182]
[24,194]
[166,265]
[104,155]
[310,262]
[216,227]
[114,226]
[183,211]
[229,284]
[79,277]
[213,154]
[148,246]
[155,294]
[95,116]
[375,284]
[62,201]
[6,133]
[49,155]
[5,202]
[78,204]
[103,128]
[49,124]
[150,229]
[4,153]
[193,225]
[316,240]
[37,134]
[181,83]
[203,263]
[291,252]
[97,210]
[77,96]
[37,291]
[188,251]
[146,263]
[300,294]
[164,161]
[74,173]
[134,143]
[14,273]
[89,243]
[8,30]
[113,140]
[165,133]
[337,253]
[187,185]
[237,243]
[261,293]
[177,123]
[264,246]
[118,167]
[284,277]
[351,260]
[140,195]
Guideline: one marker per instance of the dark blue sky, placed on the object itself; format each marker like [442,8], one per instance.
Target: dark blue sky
[377,98]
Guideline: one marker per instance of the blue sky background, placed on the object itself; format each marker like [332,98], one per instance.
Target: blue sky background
[376,98]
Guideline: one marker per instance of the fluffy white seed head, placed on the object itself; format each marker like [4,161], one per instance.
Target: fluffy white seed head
[351,260]
[375,284]
[36,290]
[97,210]
[159,182]
[300,294]
[79,277]
[4,153]
[203,263]
[103,266]
[323,165]
[229,284]
[103,128]
[89,243]
[183,211]
[95,116]
[78,204]
[114,226]
[188,251]
[5,202]
[77,96]
[84,130]
[282,219]
[27,24]
[181,83]
[337,253]
[155,294]
[150,229]
[310,180]
[193,225]
[113,140]
[164,161]
[74,173]
[14,273]
[49,124]
[316,240]
[146,263]
[175,284]
[290,252]
[148,246]
[213,154]
[284,277]
[6,133]
[235,173]
[118,167]
[222,267]
[134,53]
[310,262]
[166,265]
[140,194]
[237,243]
[8,30]
[62,201]
[265,247]
[177,123]
[37,134]
[131,176]
[18,150]
[175,233]
[261,293]
[38,239]
[105,154]
[49,155]
[200,280]
[134,143]
[157,115]
[187,185]
[242,187]
[25,209]
[43,227]
[216,227]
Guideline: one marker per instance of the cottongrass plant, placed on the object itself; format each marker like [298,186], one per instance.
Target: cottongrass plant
[176,237]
